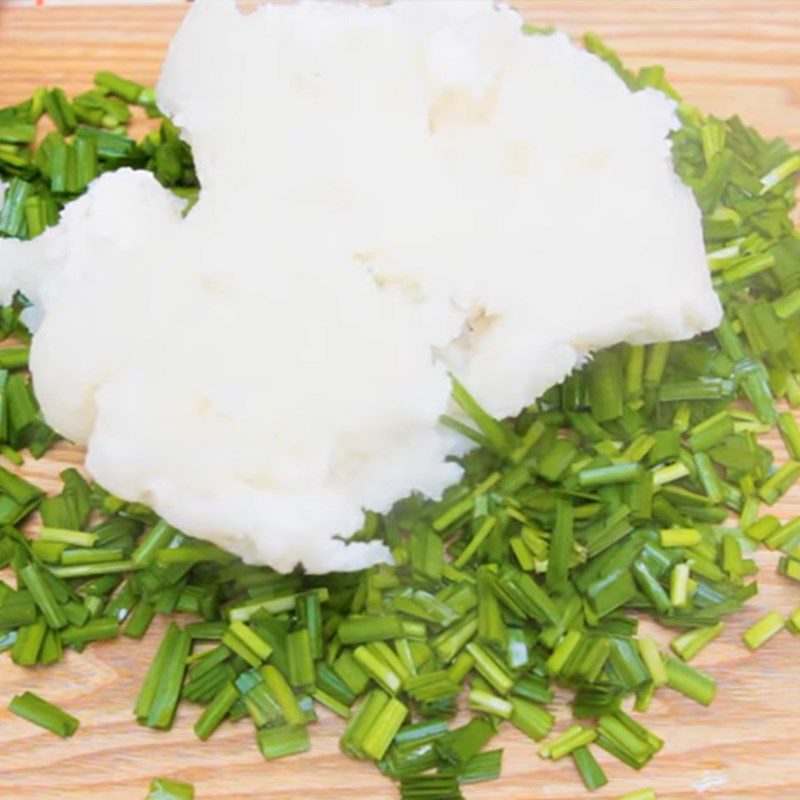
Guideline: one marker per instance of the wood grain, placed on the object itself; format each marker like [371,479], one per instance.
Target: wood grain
[725,56]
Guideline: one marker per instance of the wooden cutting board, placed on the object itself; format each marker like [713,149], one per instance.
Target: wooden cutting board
[726,57]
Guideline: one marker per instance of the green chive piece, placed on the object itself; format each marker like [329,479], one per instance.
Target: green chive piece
[43,596]
[377,739]
[246,643]
[216,711]
[165,789]
[481,767]
[130,91]
[779,482]
[94,630]
[30,640]
[793,622]
[286,740]
[561,545]
[590,771]
[687,645]
[460,745]
[680,537]
[280,689]
[533,721]
[428,787]
[60,111]
[38,711]
[565,743]
[679,585]
[158,698]
[139,620]
[762,631]
[690,681]
[488,703]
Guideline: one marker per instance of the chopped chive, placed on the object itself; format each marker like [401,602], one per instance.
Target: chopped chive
[793,622]
[29,642]
[616,473]
[590,771]
[561,545]
[679,585]
[488,703]
[762,528]
[779,482]
[158,698]
[331,703]
[283,741]
[164,789]
[490,668]
[128,90]
[680,537]
[565,743]
[377,739]
[533,721]
[362,721]
[60,111]
[139,620]
[688,644]
[216,711]
[460,745]
[83,555]
[156,539]
[430,787]
[38,711]
[481,767]
[94,630]
[103,568]
[690,681]
[790,566]
[762,631]
[301,660]
[246,643]
[357,630]
[18,489]
[43,596]
[280,689]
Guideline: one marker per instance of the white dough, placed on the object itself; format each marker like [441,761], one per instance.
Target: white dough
[388,194]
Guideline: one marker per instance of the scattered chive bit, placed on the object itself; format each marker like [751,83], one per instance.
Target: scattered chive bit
[762,631]
[38,711]
[612,493]
[165,789]
[641,794]
[793,622]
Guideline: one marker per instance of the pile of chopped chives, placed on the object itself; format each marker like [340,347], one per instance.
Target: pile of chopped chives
[607,499]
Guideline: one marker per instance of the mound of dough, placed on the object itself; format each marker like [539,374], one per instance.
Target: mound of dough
[389,194]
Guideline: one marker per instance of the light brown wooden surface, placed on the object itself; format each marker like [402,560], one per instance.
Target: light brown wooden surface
[726,57]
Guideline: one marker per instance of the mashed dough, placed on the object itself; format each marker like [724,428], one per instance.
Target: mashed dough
[389,194]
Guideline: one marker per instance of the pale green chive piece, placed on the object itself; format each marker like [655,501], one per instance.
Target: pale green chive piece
[680,537]
[165,789]
[75,538]
[762,631]
[283,741]
[679,585]
[651,655]
[640,794]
